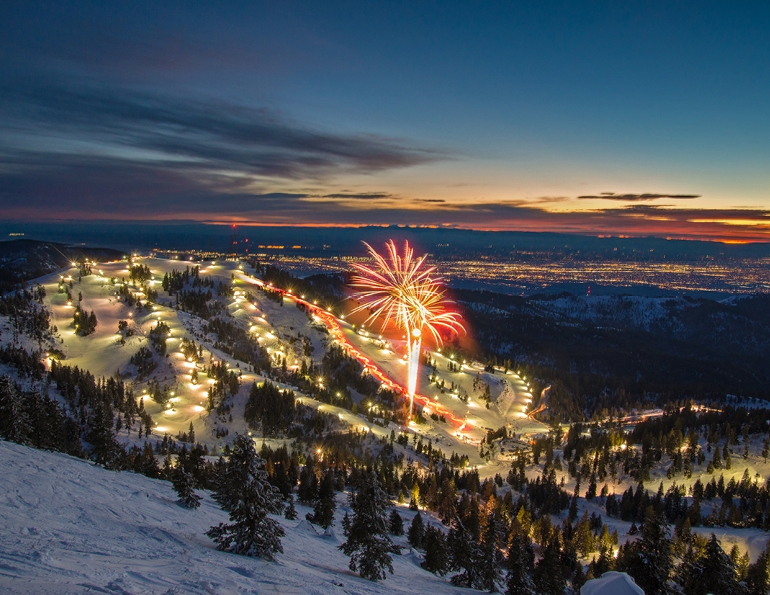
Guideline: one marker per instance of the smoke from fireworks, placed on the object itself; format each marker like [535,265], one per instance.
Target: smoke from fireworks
[402,290]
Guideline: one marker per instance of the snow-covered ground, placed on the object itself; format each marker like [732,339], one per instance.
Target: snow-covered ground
[103,354]
[66,522]
[750,540]
[278,327]
[638,311]
[71,527]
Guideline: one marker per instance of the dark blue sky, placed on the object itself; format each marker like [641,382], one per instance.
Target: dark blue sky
[617,117]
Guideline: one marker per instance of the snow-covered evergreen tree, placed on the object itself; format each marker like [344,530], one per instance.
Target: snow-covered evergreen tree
[325,503]
[244,491]
[291,511]
[416,531]
[758,575]
[465,554]
[519,579]
[548,576]
[690,571]
[721,572]
[14,421]
[308,484]
[395,523]
[105,450]
[649,559]
[436,553]
[491,558]
[184,484]
[709,571]
[368,543]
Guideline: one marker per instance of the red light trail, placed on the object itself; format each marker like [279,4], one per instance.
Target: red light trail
[338,334]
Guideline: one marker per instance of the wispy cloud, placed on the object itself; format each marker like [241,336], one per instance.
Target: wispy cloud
[637,197]
[359,196]
[195,134]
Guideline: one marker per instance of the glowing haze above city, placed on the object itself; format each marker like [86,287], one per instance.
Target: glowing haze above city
[639,119]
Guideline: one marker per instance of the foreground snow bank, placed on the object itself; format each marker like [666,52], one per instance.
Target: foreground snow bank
[70,527]
[611,583]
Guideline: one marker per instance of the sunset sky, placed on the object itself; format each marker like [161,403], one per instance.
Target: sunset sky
[638,118]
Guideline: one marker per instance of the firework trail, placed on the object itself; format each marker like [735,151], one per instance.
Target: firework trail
[403,290]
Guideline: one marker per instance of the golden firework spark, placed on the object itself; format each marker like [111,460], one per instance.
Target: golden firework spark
[402,290]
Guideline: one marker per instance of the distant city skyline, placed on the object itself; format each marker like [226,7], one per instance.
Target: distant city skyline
[640,119]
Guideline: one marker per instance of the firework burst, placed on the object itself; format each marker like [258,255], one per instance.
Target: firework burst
[401,289]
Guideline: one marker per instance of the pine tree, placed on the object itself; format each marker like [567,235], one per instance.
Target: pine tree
[346,523]
[415,495]
[416,532]
[741,562]
[583,537]
[38,436]
[184,484]
[591,491]
[105,449]
[717,460]
[436,553]
[573,509]
[491,558]
[281,479]
[447,503]
[519,579]
[649,559]
[758,575]
[308,484]
[710,571]
[395,523]
[325,503]
[571,569]
[465,554]
[604,563]
[291,511]
[367,542]
[244,491]
[745,441]
[579,578]
[14,421]
[548,576]
[690,572]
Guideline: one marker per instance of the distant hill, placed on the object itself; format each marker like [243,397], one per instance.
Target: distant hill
[22,260]
[629,345]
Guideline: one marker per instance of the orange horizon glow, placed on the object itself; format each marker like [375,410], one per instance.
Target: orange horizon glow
[723,239]
[670,224]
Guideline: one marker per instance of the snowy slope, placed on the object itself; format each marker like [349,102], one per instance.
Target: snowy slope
[71,527]
[611,583]
[278,327]
[647,313]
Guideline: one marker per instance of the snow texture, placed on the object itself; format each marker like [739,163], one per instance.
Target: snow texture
[69,527]
[611,583]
